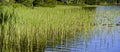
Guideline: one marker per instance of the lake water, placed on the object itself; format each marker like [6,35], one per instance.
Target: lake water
[100,38]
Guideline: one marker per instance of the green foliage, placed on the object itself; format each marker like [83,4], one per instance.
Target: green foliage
[5,13]
[26,2]
[6,2]
[3,2]
[90,2]
[38,2]
[50,3]
[53,3]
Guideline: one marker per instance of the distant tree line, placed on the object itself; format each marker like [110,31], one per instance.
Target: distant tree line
[55,2]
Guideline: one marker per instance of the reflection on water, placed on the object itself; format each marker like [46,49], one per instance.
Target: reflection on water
[97,39]
[108,14]
[102,39]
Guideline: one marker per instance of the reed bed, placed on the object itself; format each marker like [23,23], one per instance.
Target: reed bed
[32,29]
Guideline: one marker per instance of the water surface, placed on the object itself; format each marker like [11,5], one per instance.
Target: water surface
[99,38]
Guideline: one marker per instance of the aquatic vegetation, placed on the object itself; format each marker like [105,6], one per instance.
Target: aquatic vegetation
[32,29]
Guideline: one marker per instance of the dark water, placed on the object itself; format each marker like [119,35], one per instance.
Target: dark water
[100,38]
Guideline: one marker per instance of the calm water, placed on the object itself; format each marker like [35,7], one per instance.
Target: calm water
[100,38]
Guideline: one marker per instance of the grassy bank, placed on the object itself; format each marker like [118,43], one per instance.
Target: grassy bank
[31,29]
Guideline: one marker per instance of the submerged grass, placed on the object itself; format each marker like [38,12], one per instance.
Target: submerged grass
[32,29]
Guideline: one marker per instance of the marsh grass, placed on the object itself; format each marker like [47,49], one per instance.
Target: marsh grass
[31,30]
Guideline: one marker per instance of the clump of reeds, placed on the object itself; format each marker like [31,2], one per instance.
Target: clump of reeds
[31,30]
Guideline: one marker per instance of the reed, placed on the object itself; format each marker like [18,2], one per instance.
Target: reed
[32,29]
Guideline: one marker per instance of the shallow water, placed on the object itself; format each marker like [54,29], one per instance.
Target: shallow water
[97,39]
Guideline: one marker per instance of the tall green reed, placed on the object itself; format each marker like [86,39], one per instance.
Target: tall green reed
[31,30]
